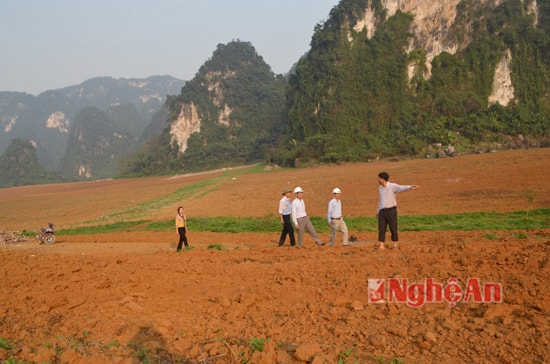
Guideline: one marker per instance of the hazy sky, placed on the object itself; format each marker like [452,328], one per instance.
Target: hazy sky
[48,44]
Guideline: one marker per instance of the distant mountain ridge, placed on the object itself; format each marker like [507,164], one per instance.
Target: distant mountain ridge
[46,119]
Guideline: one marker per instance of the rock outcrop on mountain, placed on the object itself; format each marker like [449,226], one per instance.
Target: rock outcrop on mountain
[186,123]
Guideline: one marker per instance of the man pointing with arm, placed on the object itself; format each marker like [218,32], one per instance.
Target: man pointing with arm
[387,208]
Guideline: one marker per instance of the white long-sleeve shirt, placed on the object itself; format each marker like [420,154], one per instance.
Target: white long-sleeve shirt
[285,206]
[334,209]
[388,198]
[298,210]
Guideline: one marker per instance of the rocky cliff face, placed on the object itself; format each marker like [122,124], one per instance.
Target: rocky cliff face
[503,88]
[436,29]
[187,123]
[58,121]
[430,28]
[188,120]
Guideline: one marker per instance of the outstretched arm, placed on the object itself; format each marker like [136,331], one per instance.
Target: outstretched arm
[399,188]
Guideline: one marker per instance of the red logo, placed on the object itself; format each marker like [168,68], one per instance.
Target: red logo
[398,290]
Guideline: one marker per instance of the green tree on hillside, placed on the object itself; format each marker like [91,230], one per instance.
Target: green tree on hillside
[19,165]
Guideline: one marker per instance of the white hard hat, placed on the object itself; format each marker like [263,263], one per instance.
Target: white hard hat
[298,189]
[336,190]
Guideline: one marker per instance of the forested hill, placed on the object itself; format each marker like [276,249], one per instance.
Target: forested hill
[96,142]
[389,77]
[228,114]
[19,165]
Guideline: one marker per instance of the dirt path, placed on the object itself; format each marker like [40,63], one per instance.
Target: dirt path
[88,302]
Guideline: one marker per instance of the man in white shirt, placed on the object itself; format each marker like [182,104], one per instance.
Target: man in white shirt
[335,218]
[387,208]
[301,220]
[285,209]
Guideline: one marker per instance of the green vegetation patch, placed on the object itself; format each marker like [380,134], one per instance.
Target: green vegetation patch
[471,221]
[117,227]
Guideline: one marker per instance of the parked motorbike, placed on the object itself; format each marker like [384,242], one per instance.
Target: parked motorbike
[47,235]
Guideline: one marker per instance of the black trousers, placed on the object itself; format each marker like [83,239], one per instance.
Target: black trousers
[288,229]
[387,217]
[183,238]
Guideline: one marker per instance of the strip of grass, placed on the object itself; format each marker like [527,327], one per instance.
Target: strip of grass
[195,190]
[478,221]
[459,222]
[117,227]
[223,224]
[269,224]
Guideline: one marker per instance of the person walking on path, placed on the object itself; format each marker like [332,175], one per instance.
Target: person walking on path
[335,219]
[181,229]
[301,220]
[285,209]
[387,208]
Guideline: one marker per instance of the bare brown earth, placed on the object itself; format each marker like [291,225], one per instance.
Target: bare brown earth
[128,298]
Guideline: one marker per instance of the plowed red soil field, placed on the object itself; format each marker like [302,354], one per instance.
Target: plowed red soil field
[129,298]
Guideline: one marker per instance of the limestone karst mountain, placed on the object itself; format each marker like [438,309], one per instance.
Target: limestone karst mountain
[390,77]
[228,114]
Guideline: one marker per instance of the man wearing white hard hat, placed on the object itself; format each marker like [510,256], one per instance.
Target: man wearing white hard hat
[301,220]
[335,218]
